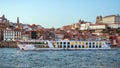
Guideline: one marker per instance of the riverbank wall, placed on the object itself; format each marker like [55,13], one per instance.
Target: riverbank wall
[8,44]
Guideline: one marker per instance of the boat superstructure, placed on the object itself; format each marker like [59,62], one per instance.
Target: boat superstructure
[61,44]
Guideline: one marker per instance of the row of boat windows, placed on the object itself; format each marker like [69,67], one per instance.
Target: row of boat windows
[83,44]
[46,46]
[60,46]
[77,43]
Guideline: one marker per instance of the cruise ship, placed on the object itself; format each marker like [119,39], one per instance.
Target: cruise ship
[61,45]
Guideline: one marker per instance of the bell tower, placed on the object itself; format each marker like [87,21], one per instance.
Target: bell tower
[98,19]
[17,23]
[17,20]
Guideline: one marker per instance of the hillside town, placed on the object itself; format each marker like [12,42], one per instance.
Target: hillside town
[105,28]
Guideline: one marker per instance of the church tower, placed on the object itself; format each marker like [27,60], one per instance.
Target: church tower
[17,20]
[18,23]
[98,19]
[3,17]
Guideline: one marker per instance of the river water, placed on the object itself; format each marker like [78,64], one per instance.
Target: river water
[15,58]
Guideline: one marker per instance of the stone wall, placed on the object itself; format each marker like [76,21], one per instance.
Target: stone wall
[6,44]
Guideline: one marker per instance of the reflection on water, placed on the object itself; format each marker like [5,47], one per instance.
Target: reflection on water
[15,58]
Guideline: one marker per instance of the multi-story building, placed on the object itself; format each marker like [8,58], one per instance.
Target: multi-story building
[84,26]
[112,21]
[11,35]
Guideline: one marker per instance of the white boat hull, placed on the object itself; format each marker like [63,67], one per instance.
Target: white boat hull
[65,46]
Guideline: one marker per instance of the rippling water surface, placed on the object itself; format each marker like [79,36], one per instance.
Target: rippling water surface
[15,58]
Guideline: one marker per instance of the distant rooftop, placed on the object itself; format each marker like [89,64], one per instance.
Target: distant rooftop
[111,15]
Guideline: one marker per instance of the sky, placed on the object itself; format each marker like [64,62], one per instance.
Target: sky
[57,13]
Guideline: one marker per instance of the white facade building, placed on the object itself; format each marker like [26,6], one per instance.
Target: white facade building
[87,26]
[97,26]
[84,26]
[11,35]
[111,19]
